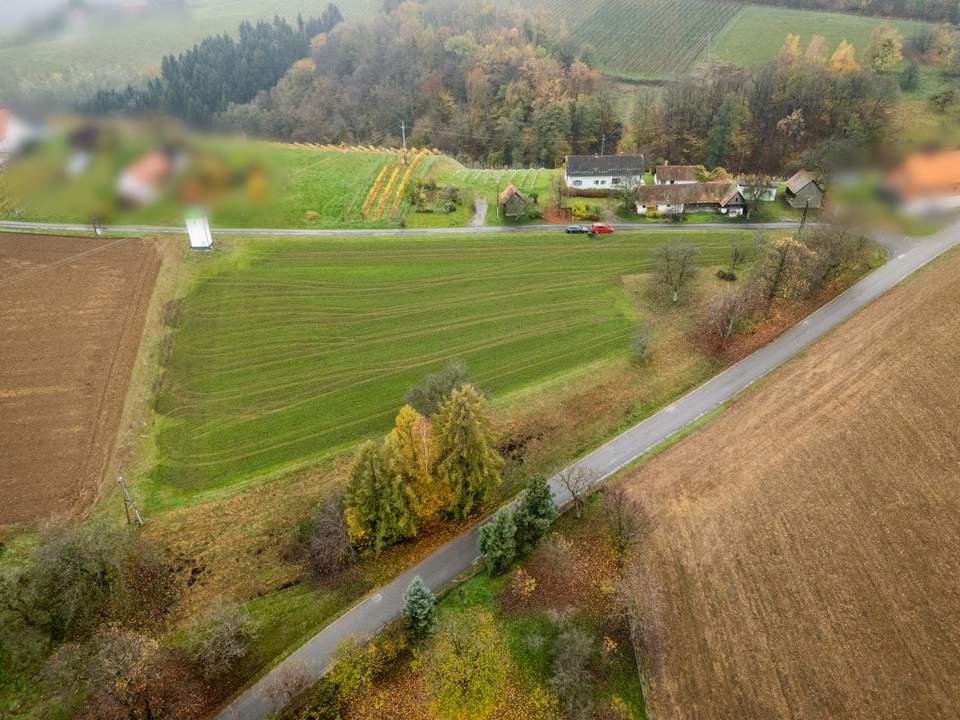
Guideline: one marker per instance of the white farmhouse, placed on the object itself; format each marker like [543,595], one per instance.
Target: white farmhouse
[602,172]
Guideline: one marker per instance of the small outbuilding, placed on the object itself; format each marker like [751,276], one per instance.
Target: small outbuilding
[803,190]
[513,202]
[198,230]
[16,135]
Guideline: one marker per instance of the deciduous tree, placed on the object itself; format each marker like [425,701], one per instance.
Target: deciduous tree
[676,266]
[411,455]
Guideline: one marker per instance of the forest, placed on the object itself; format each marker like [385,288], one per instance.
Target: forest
[932,10]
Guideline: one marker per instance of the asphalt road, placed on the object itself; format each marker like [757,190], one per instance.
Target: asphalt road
[177,230]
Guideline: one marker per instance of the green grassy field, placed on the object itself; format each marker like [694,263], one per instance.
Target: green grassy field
[132,48]
[300,186]
[644,39]
[288,350]
[756,34]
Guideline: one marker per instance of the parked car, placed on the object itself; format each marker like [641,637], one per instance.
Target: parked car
[577,229]
[601,228]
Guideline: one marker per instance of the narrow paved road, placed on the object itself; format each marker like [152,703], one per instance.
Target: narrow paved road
[177,230]
[452,559]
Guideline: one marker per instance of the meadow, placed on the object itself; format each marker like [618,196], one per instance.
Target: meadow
[289,351]
[757,33]
[245,183]
[644,39]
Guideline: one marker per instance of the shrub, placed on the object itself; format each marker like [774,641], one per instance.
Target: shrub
[429,394]
[221,639]
[498,542]
[536,511]
[328,545]
[570,676]
[726,275]
[419,609]
[642,343]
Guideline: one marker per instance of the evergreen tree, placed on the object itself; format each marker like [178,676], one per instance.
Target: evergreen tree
[720,136]
[467,459]
[377,512]
[419,609]
[536,512]
[498,542]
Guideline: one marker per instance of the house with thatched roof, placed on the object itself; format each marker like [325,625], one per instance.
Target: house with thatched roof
[513,202]
[668,174]
[721,197]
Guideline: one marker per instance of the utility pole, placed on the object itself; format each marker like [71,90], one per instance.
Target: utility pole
[709,38]
[128,503]
[497,198]
[603,143]
[803,220]
[403,132]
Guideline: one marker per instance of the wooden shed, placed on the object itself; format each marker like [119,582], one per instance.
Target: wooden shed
[513,202]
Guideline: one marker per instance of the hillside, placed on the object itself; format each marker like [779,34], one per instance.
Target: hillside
[805,545]
[109,55]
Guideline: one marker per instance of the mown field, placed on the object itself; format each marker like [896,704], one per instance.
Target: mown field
[806,543]
[289,350]
[756,34]
[243,183]
[644,39]
[131,49]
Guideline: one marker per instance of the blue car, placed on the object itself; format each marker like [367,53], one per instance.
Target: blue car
[577,230]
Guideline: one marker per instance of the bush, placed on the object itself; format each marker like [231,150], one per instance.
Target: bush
[642,343]
[221,639]
[328,543]
[83,575]
[428,395]
[498,542]
[726,275]
[570,676]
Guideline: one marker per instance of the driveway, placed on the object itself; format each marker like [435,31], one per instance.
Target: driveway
[453,559]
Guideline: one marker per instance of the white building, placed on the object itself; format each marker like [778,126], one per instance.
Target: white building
[15,135]
[675,174]
[603,172]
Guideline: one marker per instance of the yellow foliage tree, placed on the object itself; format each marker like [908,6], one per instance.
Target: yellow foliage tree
[844,59]
[790,52]
[411,454]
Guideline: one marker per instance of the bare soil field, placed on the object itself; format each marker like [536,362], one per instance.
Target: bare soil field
[805,546]
[71,315]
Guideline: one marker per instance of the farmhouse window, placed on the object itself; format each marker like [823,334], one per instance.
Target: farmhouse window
[577,183]
[615,181]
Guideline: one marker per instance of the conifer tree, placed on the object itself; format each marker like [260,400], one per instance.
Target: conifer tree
[535,513]
[411,454]
[419,609]
[467,459]
[498,542]
[377,512]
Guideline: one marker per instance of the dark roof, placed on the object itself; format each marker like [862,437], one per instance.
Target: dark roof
[676,173]
[718,193]
[605,165]
[510,191]
[800,180]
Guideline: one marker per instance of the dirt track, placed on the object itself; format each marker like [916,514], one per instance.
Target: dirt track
[806,545]
[71,315]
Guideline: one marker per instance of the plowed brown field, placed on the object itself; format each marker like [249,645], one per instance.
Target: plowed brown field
[805,551]
[71,315]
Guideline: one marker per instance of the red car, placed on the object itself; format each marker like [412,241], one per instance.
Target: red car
[601,228]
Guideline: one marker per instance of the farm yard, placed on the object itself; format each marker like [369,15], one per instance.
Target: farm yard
[818,569]
[756,33]
[71,314]
[289,350]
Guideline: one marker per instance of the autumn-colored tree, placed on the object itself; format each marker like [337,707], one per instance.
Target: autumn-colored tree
[377,511]
[676,266]
[466,666]
[886,48]
[844,58]
[816,53]
[411,454]
[790,52]
[783,272]
[467,460]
